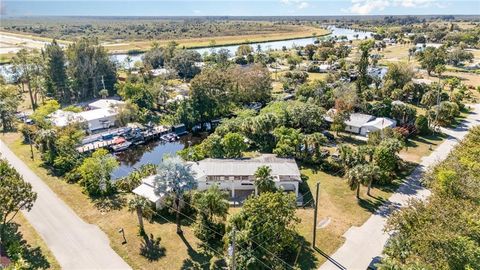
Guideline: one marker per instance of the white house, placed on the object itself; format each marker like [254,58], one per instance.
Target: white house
[379,123]
[102,115]
[233,175]
[105,104]
[146,190]
[362,124]
[420,47]
[237,175]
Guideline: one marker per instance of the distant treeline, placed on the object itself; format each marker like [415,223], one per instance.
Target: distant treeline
[139,28]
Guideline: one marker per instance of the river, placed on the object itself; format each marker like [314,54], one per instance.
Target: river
[350,34]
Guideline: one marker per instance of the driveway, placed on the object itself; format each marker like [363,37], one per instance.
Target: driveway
[366,242]
[75,244]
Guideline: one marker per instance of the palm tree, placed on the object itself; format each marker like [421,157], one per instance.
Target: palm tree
[264,180]
[354,177]
[174,178]
[371,173]
[103,93]
[45,139]
[212,202]
[142,207]
[367,150]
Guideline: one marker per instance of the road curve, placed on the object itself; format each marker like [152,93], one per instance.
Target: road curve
[366,242]
[74,243]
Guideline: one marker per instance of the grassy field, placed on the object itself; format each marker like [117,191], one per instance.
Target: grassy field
[34,241]
[144,45]
[28,40]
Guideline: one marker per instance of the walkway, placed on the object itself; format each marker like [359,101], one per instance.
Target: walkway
[75,244]
[366,242]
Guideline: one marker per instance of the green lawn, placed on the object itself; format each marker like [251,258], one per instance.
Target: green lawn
[338,209]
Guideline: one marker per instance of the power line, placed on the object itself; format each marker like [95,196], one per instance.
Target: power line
[271,253]
[214,231]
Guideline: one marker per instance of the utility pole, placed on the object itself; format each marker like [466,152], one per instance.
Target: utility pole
[103,82]
[234,266]
[438,105]
[31,146]
[315,216]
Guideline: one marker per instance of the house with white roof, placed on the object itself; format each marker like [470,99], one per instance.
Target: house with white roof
[147,190]
[236,176]
[362,124]
[379,123]
[420,47]
[102,114]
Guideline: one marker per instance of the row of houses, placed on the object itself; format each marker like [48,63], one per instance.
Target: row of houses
[233,175]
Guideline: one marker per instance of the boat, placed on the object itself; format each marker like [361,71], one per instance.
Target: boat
[121,146]
[139,142]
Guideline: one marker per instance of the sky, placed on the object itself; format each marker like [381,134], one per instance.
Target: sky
[237,7]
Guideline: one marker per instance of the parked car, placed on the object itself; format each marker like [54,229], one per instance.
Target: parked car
[373,264]
[328,135]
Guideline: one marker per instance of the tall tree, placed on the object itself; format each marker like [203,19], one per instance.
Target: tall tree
[9,101]
[264,180]
[265,231]
[174,178]
[95,172]
[28,68]
[233,145]
[210,94]
[362,66]
[185,63]
[212,206]
[432,57]
[15,195]
[142,207]
[90,68]
[56,73]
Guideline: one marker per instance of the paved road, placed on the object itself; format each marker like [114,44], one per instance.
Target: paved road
[364,243]
[75,243]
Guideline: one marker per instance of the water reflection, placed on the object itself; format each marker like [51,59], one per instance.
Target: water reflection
[151,152]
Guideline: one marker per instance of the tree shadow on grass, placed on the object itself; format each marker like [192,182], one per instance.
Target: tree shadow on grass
[108,203]
[14,241]
[305,258]
[371,204]
[150,248]
[197,260]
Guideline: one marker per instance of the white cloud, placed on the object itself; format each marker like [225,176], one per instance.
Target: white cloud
[197,12]
[364,7]
[303,5]
[299,4]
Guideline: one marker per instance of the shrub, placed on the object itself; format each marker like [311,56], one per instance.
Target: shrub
[421,124]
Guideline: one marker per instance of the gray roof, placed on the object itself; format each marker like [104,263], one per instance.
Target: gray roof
[359,119]
[242,167]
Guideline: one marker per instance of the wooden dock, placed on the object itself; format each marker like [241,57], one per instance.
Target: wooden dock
[148,135]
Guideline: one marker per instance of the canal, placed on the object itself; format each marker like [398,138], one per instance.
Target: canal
[151,152]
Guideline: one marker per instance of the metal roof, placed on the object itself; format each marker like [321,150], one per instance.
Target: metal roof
[246,167]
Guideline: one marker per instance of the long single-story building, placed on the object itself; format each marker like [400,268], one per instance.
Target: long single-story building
[102,114]
[362,124]
[233,175]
